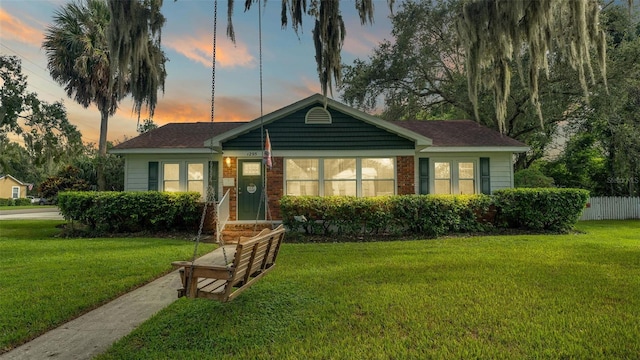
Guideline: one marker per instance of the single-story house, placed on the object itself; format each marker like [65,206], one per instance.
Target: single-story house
[12,188]
[318,150]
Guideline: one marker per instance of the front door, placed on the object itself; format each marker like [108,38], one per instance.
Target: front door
[250,190]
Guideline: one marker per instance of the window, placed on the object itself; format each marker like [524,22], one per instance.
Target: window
[378,177]
[15,192]
[340,176]
[442,179]
[171,177]
[454,177]
[195,177]
[302,177]
[183,176]
[466,178]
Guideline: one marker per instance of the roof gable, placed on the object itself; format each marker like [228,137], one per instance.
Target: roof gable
[9,177]
[344,132]
[334,107]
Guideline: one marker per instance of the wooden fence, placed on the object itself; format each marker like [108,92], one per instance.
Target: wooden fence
[612,208]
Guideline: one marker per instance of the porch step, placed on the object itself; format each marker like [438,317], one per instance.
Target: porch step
[233,232]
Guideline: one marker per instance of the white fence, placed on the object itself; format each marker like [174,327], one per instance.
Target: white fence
[612,208]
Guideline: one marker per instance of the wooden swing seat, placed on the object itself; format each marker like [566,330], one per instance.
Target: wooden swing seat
[251,258]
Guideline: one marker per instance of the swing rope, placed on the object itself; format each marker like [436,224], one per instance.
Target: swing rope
[264,200]
[210,194]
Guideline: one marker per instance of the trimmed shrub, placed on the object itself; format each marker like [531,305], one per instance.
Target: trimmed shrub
[6,202]
[540,208]
[22,202]
[131,211]
[426,215]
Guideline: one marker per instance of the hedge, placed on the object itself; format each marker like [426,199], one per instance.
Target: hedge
[551,209]
[131,211]
[15,202]
[539,209]
[404,214]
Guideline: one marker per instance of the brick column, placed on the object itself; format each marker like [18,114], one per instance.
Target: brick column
[406,175]
[231,172]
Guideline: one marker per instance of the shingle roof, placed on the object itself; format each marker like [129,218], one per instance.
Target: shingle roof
[443,133]
[458,133]
[178,136]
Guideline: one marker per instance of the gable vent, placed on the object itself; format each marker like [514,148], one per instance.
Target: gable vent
[318,115]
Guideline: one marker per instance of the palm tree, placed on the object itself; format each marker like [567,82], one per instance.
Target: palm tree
[78,58]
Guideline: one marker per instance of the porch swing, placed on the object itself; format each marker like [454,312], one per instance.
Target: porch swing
[231,268]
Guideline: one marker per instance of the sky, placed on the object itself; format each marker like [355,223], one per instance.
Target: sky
[289,67]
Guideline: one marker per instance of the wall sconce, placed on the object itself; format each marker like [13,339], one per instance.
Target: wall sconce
[227,161]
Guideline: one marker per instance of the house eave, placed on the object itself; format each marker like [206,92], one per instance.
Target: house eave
[164,151]
[448,149]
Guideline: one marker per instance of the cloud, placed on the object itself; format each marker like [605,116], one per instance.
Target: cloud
[303,88]
[14,29]
[198,49]
[227,109]
[360,42]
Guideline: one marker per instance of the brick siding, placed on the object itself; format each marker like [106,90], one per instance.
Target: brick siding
[406,175]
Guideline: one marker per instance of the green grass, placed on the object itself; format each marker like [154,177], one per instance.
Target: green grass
[45,281]
[20,207]
[526,296]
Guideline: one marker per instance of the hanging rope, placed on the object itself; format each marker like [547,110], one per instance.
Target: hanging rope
[210,194]
[264,200]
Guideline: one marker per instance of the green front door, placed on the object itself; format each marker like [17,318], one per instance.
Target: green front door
[250,190]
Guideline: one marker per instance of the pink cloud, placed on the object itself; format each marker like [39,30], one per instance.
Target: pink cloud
[198,49]
[227,109]
[14,29]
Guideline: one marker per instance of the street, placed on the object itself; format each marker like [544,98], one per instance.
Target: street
[37,213]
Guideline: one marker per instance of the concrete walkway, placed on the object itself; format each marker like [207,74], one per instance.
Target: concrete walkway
[94,332]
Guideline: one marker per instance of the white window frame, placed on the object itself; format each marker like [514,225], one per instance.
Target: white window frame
[183,175]
[15,192]
[359,179]
[455,175]
[188,181]
[163,179]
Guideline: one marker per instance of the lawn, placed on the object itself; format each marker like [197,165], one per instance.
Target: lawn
[46,280]
[21,207]
[520,296]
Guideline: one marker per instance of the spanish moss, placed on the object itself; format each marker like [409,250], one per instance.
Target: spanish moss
[496,32]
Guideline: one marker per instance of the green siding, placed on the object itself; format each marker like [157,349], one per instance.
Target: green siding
[344,133]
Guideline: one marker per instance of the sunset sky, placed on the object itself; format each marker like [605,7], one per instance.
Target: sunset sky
[289,68]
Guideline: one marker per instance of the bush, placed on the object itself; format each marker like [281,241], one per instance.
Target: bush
[540,208]
[532,178]
[426,215]
[6,202]
[21,202]
[131,211]
[345,215]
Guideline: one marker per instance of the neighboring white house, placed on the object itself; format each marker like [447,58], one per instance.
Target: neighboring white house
[318,150]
